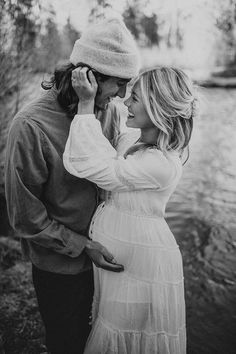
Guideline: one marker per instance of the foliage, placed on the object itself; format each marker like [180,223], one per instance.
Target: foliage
[145,28]
[18,32]
[29,42]
[17,36]
[226,23]
[49,45]
[68,38]
[98,10]
[151,27]
[132,18]
[23,32]
[21,329]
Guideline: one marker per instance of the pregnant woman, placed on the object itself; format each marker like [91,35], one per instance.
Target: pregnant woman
[142,309]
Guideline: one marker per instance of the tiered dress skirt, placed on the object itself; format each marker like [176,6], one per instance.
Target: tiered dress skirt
[142,309]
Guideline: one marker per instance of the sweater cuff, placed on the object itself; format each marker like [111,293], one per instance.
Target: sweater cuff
[75,244]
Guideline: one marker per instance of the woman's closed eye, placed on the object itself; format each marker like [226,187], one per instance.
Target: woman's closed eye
[134,98]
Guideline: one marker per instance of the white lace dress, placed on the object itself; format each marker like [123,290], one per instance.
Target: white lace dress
[140,310]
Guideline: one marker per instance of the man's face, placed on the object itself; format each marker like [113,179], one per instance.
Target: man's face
[109,89]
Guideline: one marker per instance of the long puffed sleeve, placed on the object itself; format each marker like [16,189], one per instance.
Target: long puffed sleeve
[88,154]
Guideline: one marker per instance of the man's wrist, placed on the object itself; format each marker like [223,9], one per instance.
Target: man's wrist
[88,244]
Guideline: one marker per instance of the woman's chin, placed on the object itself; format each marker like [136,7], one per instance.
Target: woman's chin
[130,123]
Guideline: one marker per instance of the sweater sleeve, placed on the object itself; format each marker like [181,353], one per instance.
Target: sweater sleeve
[88,154]
[26,172]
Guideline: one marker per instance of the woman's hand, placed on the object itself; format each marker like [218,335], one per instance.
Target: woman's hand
[85,86]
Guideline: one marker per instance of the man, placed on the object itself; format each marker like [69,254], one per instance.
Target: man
[50,209]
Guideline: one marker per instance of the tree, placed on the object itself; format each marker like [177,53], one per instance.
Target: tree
[18,32]
[133,16]
[24,29]
[49,44]
[99,10]
[69,36]
[226,23]
[151,28]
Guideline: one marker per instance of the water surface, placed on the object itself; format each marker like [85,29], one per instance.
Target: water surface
[202,216]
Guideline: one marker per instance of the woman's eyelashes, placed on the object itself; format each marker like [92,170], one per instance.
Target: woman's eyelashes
[134,96]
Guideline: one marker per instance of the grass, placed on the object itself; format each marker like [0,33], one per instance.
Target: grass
[21,329]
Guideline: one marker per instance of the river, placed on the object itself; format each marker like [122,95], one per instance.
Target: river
[202,216]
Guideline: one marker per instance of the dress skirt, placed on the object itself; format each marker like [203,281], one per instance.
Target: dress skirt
[142,309]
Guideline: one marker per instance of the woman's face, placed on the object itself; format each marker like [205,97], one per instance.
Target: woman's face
[137,117]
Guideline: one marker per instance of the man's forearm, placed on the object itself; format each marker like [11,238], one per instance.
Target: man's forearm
[56,237]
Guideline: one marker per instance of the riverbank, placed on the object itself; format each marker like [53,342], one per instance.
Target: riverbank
[217,78]
[210,294]
[218,82]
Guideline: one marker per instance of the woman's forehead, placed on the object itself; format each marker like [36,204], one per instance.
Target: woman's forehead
[136,88]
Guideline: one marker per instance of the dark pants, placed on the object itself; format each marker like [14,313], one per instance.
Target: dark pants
[64,303]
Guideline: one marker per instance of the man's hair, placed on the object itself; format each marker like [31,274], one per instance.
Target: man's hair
[61,80]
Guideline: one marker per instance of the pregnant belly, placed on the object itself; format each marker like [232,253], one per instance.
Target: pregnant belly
[112,223]
[147,250]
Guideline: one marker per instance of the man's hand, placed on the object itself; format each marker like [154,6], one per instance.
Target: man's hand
[101,257]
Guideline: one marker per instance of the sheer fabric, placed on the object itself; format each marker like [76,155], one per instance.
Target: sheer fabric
[140,310]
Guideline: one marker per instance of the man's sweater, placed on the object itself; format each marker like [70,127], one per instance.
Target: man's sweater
[49,208]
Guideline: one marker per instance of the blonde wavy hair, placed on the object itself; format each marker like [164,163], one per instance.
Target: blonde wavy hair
[169,98]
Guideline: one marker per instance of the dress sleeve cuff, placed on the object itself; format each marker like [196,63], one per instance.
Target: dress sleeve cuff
[84,116]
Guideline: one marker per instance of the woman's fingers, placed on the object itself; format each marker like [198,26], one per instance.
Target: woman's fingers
[83,76]
[79,76]
[92,79]
[84,83]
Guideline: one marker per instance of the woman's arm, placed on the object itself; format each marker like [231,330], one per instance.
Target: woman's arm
[88,154]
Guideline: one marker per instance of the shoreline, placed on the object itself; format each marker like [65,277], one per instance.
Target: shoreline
[217,82]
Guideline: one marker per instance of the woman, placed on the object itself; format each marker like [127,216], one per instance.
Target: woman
[142,309]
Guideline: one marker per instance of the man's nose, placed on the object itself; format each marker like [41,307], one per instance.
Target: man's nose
[127,102]
[122,92]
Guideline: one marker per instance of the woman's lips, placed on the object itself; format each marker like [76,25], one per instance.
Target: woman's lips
[130,116]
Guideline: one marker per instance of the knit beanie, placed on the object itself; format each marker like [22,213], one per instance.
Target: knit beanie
[109,48]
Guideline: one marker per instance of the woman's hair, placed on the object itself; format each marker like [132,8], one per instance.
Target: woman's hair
[61,80]
[169,98]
